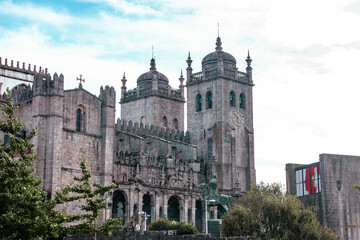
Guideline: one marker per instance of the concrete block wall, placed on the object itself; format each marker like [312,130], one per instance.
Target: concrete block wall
[340,201]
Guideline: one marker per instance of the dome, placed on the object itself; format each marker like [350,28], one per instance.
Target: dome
[145,79]
[210,60]
[211,57]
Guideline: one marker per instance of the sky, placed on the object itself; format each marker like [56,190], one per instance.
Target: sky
[305,59]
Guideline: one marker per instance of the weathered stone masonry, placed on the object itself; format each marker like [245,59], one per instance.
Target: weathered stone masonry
[147,153]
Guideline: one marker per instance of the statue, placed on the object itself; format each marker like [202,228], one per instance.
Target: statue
[119,212]
[209,192]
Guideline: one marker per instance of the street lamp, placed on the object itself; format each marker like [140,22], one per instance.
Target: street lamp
[206,214]
[145,217]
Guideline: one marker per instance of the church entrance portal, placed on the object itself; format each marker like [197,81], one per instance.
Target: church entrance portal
[174,209]
[198,215]
[118,209]
[147,207]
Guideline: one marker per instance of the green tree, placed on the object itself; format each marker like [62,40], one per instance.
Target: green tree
[85,194]
[267,213]
[24,213]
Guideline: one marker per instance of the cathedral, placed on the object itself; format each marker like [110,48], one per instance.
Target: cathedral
[155,162]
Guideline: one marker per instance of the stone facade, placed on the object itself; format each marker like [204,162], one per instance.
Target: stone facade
[220,119]
[338,203]
[154,162]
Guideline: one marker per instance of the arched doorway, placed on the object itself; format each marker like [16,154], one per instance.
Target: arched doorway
[198,215]
[119,205]
[174,209]
[147,207]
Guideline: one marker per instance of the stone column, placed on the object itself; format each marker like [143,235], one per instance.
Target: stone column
[182,217]
[140,200]
[165,199]
[193,206]
[186,200]
[153,210]
[131,204]
[127,213]
[157,205]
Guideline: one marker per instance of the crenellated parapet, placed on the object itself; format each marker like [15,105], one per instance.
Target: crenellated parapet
[47,86]
[21,94]
[108,96]
[22,68]
[151,130]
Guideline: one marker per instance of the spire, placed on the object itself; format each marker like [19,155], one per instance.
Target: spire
[189,61]
[181,87]
[152,65]
[248,59]
[188,69]
[218,44]
[249,68]
[123,80]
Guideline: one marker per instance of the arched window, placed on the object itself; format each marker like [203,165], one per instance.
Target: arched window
[232,99]
[142,119]
[198,103]
[208,100]
[242,101]
[176,123]
[165,124]
[79,120]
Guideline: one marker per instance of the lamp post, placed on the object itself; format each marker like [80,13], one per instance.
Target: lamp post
[206,214]
[145,217]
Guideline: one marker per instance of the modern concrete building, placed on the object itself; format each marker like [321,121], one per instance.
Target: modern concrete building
[329,186]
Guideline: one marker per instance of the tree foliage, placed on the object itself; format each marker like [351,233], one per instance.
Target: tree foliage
[267,213]
[24,213]
[86,195]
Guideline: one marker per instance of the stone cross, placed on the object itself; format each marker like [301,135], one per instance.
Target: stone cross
[80,80]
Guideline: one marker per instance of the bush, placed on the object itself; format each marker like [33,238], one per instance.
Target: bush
[182,228]
[161,224]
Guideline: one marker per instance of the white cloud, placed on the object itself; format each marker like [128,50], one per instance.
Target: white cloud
[35,13]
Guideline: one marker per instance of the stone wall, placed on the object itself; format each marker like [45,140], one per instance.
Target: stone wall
[149,235]
[340,201]
[151,110]
[223,133]
[337,203]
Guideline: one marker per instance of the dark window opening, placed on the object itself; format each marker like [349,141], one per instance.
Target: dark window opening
[176,123]
[208,100]
[242,101]
[165,124]
[78,120]
[232,99]
[198,103]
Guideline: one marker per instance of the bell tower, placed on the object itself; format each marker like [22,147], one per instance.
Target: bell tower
[220,119]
